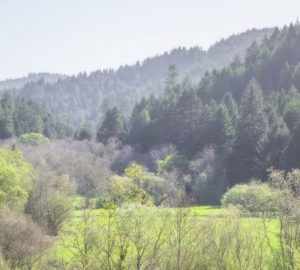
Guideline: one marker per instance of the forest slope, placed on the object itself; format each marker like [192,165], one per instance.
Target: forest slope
[79,99]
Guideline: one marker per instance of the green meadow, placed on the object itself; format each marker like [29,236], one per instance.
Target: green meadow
[201,231]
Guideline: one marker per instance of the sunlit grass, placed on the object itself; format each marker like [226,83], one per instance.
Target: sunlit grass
[259,226]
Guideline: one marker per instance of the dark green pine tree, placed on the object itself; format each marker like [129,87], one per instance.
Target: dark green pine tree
[187,121]
[285,77]
[296,77]
[232,108]
[111,125]
[85,133]
[164,125]
[290,107]
[7,106]
[291,156]
[27,119]
[138,130]
[244,162]
[275,144]
[217,128]
[172,87]
[278,134]
[223,126]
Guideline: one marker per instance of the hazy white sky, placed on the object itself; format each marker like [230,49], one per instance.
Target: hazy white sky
[69,36]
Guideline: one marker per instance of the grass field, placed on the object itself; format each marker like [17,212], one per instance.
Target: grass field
[72,241]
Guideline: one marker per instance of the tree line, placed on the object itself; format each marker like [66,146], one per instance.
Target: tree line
[18,117]
[248,112]
[80,99]
[232,126]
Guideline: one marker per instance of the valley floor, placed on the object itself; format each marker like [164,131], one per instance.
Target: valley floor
[136,237]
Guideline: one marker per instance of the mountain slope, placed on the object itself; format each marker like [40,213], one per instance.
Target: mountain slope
[32,77]
[78,99]
[244,118]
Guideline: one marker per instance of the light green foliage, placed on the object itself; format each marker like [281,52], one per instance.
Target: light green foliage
[33,138]
[159,188]
[172,162]
[136,172]
[139,186]
[254,197]
[82,243]
[125,190]
[16,177]
[139,237]
[287,211]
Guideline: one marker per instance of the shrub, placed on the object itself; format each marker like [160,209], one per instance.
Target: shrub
[124,190]
[50,203]
[159,188]
[33,138]
[253,197]
[136,173]
[16,177]
[22,243]
[172,162]
[103,201]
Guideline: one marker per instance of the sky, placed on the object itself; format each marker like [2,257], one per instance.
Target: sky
[72,36]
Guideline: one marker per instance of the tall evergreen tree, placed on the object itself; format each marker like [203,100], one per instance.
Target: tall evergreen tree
[172,87]
[296,77]
[139,120]
[291,155]
[232,108]
[111,125]
[285,77]
[187,121]
[245,160]
[216,125]
[164,124]
[85,133]
[291,108]
[223,128]
[27,119]
[7,107]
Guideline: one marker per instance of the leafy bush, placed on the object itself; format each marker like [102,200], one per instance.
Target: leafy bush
[253,197]
[16,177]
[159,188]
[124,190]
[172,162]
[135,172]
[33,138]
[103,201]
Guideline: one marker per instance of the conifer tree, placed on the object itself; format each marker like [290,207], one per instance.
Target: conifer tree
[111,125]
[245,160]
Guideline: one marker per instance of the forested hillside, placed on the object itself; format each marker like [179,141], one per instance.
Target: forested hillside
[32,77]
[232,126]
[18,117]
[199,175]
[80,99]
[188,159]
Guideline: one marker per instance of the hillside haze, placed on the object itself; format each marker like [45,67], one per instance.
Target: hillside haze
[80,99]
[32,77]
